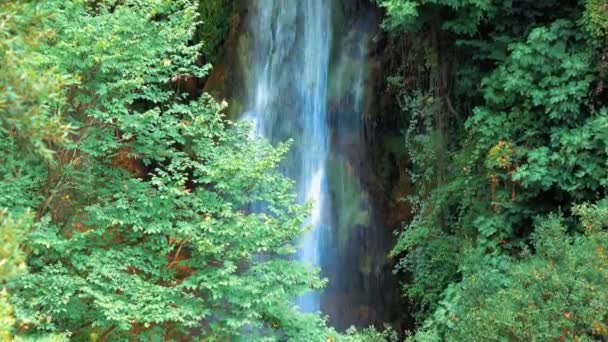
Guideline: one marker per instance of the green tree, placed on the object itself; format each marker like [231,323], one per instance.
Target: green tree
[29,125]
[559,293]
[143,219]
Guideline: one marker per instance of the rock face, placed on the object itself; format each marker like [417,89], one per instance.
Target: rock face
[364,169]
[224,82]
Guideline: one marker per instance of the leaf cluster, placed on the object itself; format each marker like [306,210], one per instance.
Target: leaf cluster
[154,217]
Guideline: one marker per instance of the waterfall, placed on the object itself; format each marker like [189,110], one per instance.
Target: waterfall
[288,82]
[303,74]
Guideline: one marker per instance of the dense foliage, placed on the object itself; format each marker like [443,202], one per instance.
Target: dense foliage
[132,210]
[508,144]
[133,201]
[216,18]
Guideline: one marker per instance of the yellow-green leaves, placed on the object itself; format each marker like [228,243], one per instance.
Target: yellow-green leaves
[30,91]
[595,19]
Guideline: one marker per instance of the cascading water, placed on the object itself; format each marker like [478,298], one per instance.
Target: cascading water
[289,75]
[303,75]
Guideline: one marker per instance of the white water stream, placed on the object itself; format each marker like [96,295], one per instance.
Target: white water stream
[290,80]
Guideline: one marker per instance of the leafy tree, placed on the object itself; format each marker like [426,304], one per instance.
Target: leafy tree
[558,293]
[142,199]
[29,124]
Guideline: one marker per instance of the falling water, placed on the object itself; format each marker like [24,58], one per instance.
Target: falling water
[304,73]
[290,70]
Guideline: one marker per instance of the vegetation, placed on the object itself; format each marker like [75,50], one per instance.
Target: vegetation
[509,235]
[131,209]
[137,198]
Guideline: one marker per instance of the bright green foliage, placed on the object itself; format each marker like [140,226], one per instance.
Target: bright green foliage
[29,92]
[144,226]
[481,262]
[29,123]
[12,259]
[560,292]
[413,14]
[12,263]
[370,335]
[536,102]
[488,20]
